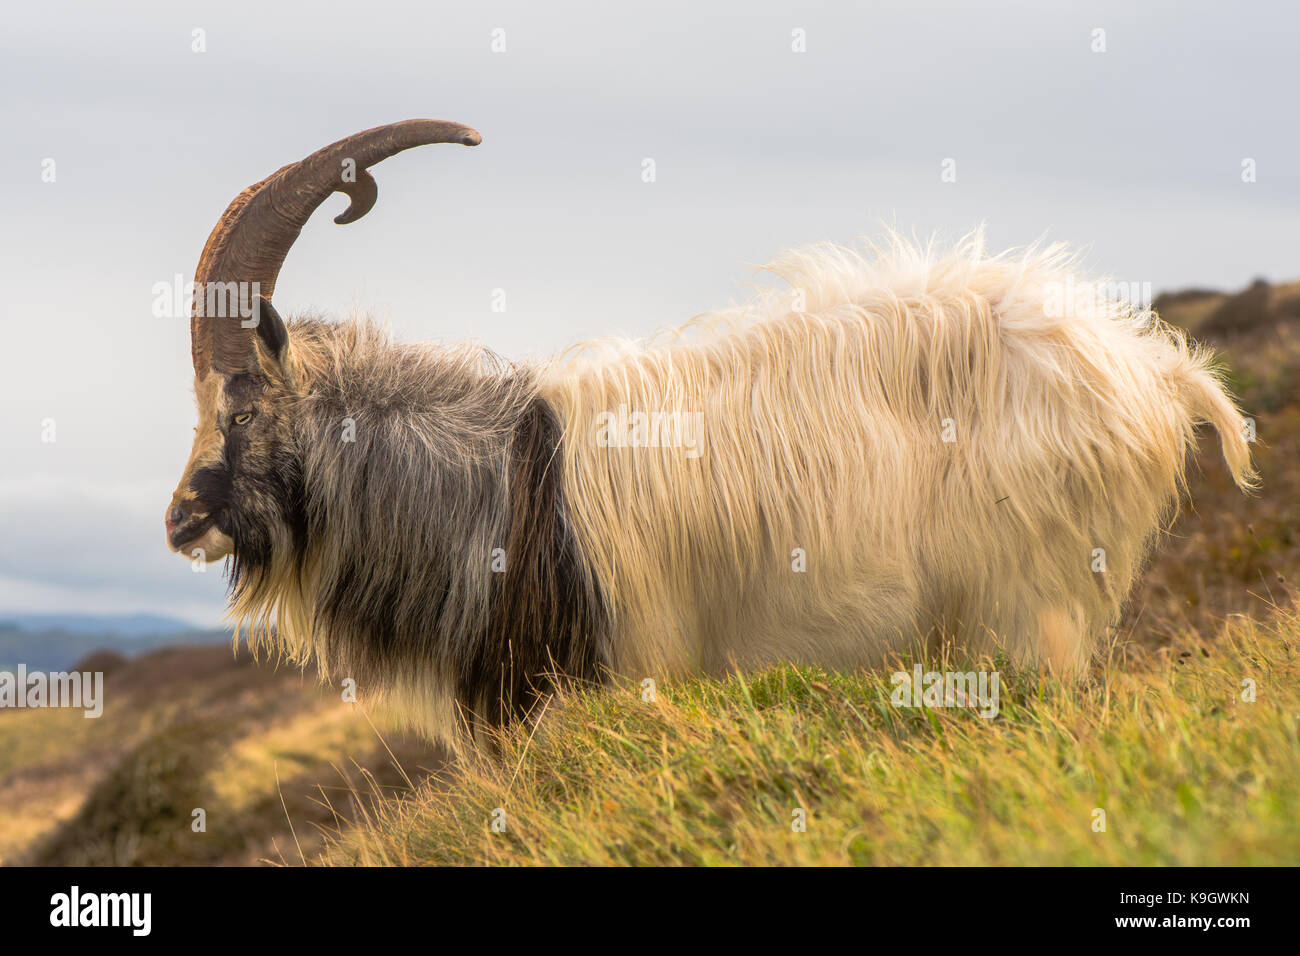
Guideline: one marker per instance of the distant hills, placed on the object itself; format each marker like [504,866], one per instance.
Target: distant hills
[59,641]
[1227,316]
[126,625]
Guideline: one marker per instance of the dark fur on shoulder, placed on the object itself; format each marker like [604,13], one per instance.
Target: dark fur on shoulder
[420,533]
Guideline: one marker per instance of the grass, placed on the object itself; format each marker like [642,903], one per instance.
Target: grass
[1187,772]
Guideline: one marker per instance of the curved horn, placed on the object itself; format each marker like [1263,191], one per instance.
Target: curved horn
[255,233]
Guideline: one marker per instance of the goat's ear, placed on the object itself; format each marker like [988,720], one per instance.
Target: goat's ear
[271,332]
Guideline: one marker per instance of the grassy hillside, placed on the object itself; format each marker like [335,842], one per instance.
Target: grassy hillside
[1186,771]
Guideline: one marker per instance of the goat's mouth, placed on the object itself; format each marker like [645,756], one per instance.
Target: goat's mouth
[188,530]
[200,533]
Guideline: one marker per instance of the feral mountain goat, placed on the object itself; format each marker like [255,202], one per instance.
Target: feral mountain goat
[904,447]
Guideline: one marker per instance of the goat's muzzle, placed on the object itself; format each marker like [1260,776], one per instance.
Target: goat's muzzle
[183,527]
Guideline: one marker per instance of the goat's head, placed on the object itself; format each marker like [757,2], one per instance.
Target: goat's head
[236,487]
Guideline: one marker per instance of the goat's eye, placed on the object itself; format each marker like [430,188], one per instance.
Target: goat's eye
[244,419]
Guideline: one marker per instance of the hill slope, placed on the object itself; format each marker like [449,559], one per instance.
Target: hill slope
[185,729]
[1187,772]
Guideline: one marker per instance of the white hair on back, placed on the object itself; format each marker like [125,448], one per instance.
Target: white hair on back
[908,443]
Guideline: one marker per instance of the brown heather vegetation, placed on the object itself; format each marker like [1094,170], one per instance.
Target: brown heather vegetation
[1226,553]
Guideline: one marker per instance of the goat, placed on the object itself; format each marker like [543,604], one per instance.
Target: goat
[906,445]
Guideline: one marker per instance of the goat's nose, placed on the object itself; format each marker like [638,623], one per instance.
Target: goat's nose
[174,517]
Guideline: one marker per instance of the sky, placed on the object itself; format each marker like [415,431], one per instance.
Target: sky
[769,125]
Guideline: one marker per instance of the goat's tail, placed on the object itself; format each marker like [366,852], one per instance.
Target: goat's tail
[1206,400]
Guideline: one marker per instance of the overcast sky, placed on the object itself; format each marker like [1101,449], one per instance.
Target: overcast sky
[1134,153]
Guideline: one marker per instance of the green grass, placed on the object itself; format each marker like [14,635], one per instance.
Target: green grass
[1186,771]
